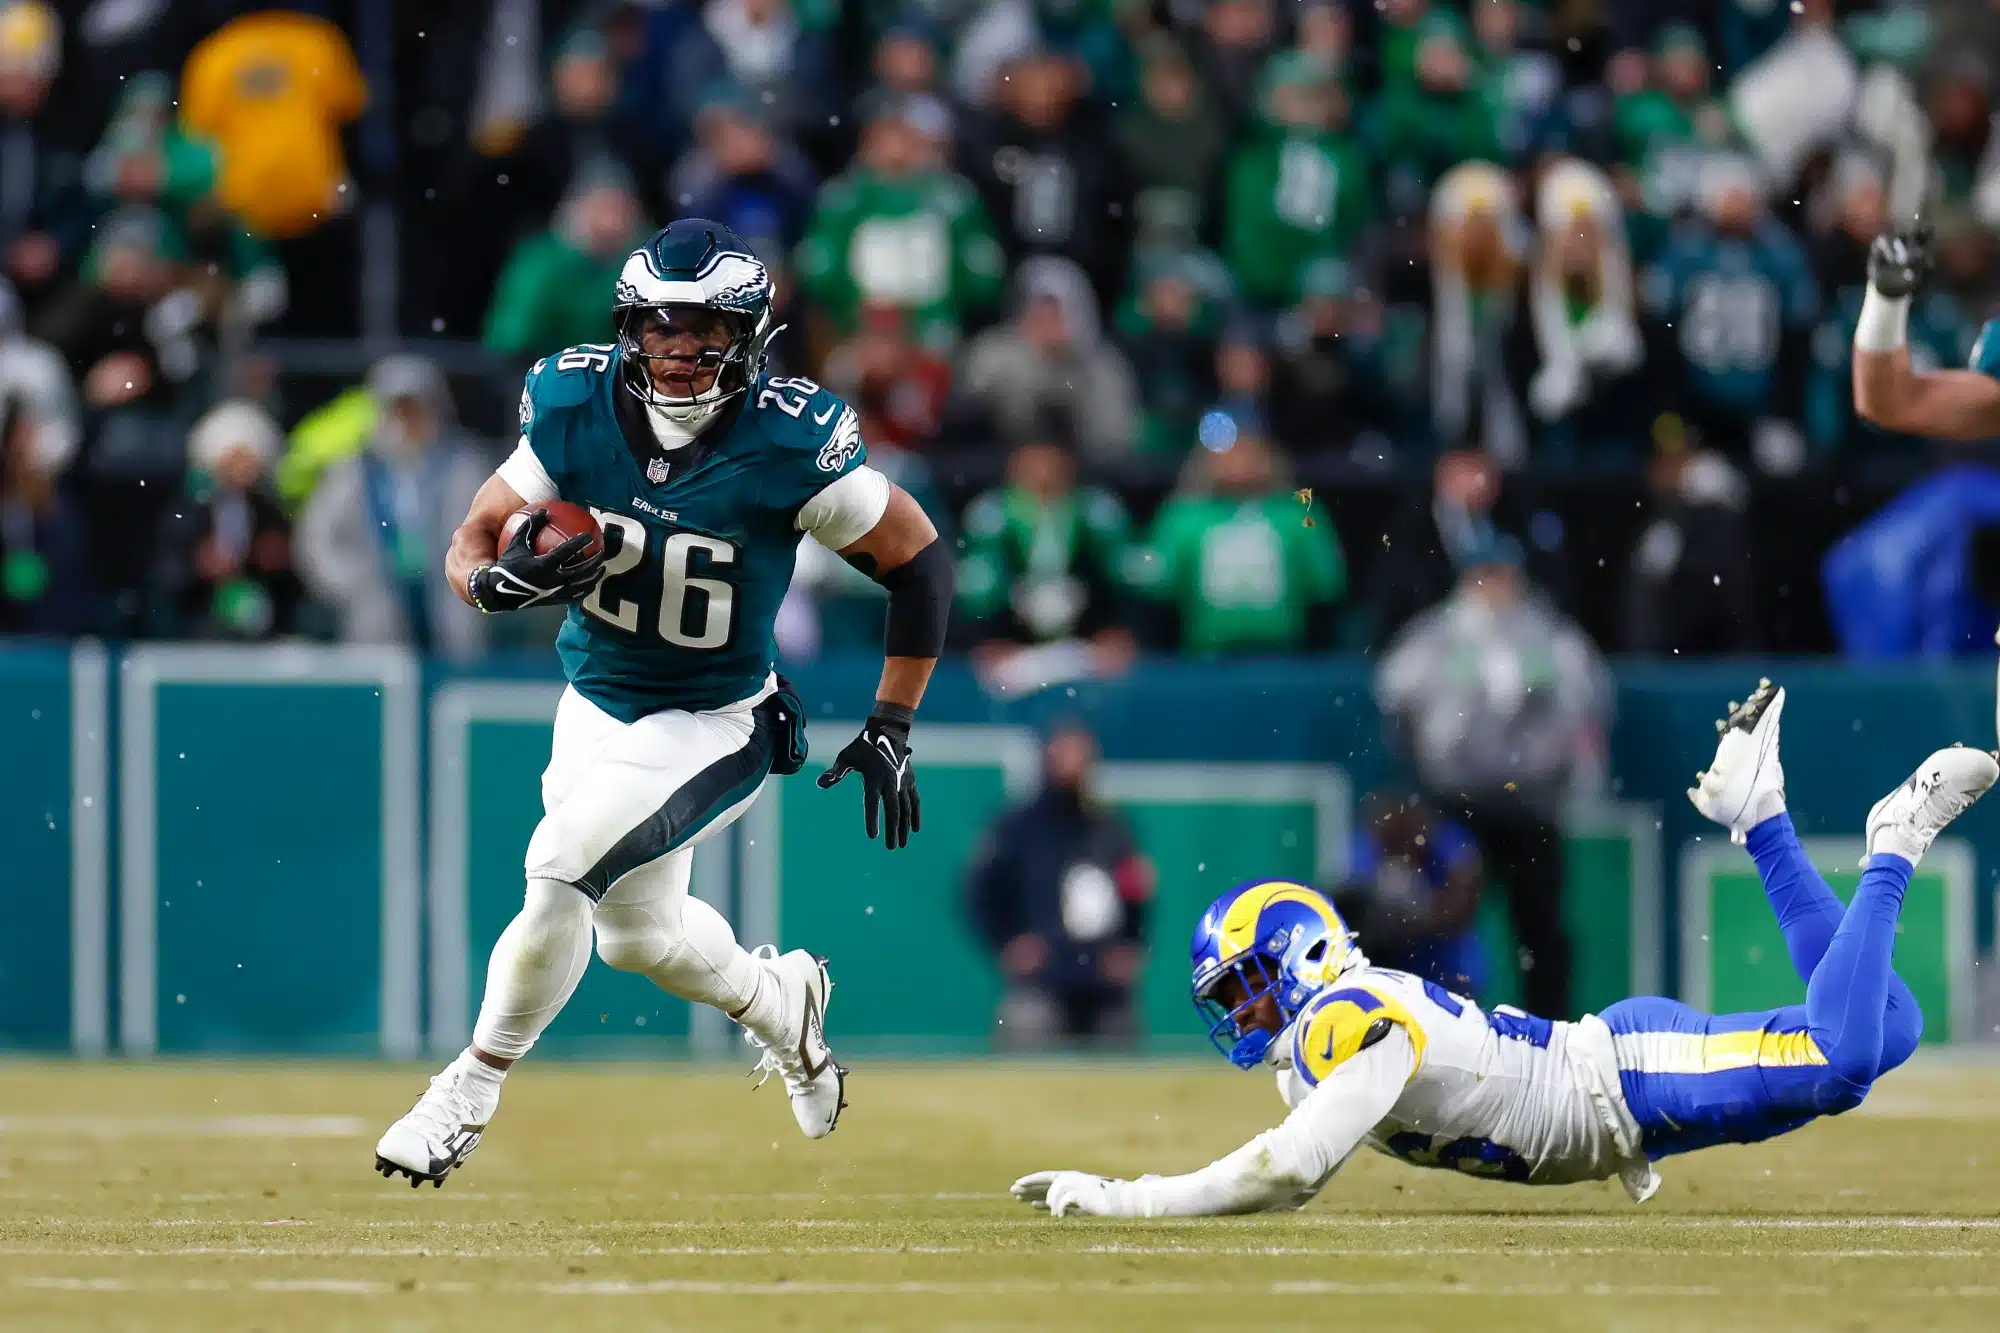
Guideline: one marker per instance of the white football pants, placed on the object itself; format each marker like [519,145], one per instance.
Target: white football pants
[624,806]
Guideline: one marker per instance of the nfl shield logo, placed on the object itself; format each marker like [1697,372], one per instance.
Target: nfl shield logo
[656,470]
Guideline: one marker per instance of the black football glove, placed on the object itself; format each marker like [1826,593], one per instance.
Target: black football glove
[520,578]
[881,755]
[1898,264]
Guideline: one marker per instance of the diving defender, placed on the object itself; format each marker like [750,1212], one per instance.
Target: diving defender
[703,472]
[1368,1056]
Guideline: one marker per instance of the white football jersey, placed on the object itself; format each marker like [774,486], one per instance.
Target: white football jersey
[1505,1095]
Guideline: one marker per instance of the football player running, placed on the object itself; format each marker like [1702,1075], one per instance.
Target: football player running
[1888,390]
[703,471]
[1368,1056]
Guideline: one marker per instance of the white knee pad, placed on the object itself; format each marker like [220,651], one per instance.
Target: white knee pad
[632,937]
[554,919]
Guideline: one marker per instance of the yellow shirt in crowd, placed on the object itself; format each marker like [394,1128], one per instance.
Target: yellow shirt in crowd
[272,91]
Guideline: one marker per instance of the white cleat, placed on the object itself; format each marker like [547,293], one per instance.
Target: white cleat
[1907,820]
[1745,784]
[438,1134]
[797,1052]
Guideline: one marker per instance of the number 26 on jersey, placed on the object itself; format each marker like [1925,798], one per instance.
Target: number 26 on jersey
[693,611]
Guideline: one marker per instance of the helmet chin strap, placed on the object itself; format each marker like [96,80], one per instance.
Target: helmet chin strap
[689,415]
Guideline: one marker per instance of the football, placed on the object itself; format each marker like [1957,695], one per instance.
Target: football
[566,520]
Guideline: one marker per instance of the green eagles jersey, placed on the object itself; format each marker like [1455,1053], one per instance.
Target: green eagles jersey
[1730,301]
[700,540]
[921,243]
[1046,563]
[1293,198]
[1243,572]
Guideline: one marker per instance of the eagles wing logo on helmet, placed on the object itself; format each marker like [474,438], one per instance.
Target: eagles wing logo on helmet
[625,293]
[842,446]
[735,280]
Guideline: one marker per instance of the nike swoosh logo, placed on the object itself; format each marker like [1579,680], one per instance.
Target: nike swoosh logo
[509,581]
[820,418]
[888,749]
[806,1033]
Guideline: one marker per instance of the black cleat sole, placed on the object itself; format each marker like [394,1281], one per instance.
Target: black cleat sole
[390,1170]
[840,1072]
[1746,715]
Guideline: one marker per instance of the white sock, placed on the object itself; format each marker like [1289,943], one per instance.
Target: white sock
[534,969]
[480,1080]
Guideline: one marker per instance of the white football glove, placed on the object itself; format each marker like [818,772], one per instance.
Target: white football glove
[1063,1192]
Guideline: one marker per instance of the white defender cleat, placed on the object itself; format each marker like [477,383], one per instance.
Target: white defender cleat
[437,1135]
[798,1052]
[1907,820]
[1745,784]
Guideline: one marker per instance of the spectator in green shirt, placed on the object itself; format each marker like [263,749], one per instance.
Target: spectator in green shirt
[146,160]
[1662,130]
[1442,116]
[556,289]
[1169,323]
[1663,110]
[1299,190]
[1404,24]
[1171,141]
[1248,565]
[898,229]
[1045,563]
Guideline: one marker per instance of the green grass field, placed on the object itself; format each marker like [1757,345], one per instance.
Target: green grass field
[204,1197]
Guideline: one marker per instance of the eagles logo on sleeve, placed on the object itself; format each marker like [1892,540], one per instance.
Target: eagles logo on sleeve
[527,409]
[842,446]
[1341,1023]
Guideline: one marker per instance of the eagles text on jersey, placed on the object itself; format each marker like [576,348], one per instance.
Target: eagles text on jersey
[700,540]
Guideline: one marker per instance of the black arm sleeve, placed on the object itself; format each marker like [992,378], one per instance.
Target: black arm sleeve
[920,591]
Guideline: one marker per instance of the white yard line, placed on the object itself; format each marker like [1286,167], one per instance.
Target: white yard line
[316,1286]
[185,1126]
[1305,1221]
[588,1251]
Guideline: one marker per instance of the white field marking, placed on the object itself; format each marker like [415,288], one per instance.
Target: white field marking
[1495,1252]
[893,1251]
[703,1287]
[185,1126]
[275,1252]
[691,1196]
[1594,1220]
[1304,1220]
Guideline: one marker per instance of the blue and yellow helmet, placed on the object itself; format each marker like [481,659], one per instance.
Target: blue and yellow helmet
[1274,936]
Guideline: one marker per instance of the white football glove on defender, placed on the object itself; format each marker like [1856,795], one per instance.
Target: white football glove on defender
[1060,1193]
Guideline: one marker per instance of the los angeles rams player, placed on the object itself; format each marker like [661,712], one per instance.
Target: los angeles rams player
[1888,390]
[703,472]
[1369,1056]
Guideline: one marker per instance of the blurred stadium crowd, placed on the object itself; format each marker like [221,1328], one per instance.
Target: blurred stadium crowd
[1234,327]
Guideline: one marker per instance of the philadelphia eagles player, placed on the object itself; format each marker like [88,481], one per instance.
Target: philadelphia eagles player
[1367,1056]
[703,472]
[1888,390]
